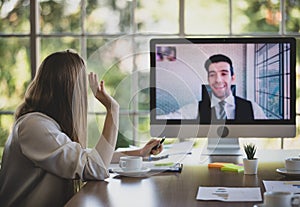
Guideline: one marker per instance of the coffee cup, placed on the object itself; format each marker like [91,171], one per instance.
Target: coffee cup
[280,199]
[131,163]
[292,164]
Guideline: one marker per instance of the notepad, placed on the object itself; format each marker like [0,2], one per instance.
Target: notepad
[224,166]
[217,164]
[232,168]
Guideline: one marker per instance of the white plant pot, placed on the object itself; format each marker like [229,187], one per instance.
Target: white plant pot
[250,166]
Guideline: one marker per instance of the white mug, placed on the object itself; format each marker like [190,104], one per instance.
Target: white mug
[131,163]
[292,164]
[280,199]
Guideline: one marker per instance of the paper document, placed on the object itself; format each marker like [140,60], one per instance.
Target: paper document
[290,186]
[229,194]
[167,167]
[171,158]
[176,152]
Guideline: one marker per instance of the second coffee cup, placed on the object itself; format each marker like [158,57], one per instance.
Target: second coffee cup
[280,199]
[292,164]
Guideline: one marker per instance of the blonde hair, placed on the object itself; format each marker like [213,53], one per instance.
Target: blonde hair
[59,90]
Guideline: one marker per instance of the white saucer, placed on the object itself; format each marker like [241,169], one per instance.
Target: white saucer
[260,205]
[135,173]
[288,173]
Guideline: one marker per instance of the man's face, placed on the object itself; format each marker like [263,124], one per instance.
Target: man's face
[220,79]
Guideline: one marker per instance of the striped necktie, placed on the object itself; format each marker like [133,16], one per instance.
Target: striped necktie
[222,110]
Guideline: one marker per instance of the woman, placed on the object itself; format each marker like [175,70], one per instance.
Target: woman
[46,150]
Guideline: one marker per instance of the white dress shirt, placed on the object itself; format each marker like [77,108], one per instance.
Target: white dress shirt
[190,111]
[40,162]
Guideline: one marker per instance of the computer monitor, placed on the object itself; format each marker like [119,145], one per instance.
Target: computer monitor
[184,90]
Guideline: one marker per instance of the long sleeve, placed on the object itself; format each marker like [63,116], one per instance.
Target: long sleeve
[40,162]
[47,147]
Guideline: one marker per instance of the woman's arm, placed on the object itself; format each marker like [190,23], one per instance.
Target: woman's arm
[107,142]
[106,145]
[143,152]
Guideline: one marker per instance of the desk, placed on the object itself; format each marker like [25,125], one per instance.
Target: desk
[179,189]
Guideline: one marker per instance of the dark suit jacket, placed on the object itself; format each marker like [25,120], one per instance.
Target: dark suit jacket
[243,111]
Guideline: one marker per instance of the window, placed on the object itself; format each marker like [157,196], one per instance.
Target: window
[270,71]
[113,36]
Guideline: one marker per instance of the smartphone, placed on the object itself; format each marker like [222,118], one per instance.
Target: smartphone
[157,146]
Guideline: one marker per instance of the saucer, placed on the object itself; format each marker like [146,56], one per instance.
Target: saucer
[283,171]
[135,173]
[260,205]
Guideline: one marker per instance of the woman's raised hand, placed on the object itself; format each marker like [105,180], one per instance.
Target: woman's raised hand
[100,92]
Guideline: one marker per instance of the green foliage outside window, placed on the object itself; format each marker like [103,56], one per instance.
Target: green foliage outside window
[106,21]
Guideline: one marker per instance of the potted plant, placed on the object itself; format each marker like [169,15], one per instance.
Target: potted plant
[250,163]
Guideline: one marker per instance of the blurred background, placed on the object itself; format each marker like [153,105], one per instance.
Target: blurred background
[113,37]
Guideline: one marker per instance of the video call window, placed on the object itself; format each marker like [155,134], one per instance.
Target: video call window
[262,73]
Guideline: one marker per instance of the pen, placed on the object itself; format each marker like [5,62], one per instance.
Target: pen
[157,146]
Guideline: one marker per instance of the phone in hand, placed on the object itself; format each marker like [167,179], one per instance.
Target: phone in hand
[157,146]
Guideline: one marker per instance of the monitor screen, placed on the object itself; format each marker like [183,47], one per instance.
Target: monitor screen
[223,87]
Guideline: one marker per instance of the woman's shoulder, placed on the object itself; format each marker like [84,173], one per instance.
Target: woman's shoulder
[36,119]
[33,126]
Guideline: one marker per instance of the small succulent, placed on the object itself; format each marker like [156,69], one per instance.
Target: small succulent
[250,150]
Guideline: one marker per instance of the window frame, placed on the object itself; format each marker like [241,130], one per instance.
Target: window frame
[35,35]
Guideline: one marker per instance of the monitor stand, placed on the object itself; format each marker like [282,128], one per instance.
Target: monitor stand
[223,150]
[222,147]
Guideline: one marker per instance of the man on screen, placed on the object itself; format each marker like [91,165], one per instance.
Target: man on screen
[221,104]
[220,75]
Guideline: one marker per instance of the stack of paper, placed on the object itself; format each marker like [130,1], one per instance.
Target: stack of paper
[164,167]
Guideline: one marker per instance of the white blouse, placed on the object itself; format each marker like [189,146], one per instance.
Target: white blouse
[40,161]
